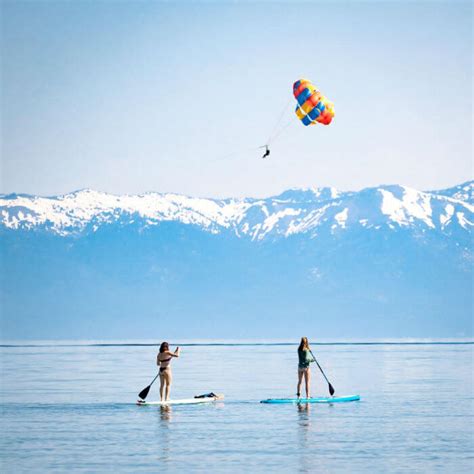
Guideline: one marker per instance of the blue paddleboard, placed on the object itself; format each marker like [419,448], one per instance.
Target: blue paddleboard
[346,398]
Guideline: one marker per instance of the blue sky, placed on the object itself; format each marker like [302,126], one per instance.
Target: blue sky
[129,97]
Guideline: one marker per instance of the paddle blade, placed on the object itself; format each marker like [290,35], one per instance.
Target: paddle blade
[144,393]
[331,390]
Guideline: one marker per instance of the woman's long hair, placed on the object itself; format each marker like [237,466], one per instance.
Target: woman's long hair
[304,344]
[164,347]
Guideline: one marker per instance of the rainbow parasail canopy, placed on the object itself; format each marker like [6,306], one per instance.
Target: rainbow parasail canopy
[313,107]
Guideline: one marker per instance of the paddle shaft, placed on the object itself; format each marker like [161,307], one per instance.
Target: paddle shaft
[331,388]
[153,381]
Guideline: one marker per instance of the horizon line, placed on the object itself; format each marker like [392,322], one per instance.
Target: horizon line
[415,342]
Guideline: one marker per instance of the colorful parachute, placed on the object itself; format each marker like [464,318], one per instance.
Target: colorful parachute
[312,107]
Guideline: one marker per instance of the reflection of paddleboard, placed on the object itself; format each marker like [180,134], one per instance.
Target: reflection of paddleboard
[347,398]
[186,401]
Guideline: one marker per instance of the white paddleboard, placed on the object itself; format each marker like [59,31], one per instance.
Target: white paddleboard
[185,401]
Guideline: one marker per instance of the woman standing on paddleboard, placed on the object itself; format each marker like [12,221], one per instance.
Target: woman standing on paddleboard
[304,359]
[163,361]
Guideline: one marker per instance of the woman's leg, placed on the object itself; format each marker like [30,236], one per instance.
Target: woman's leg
[168,380]
[307,380]
[162,384]
[300,379]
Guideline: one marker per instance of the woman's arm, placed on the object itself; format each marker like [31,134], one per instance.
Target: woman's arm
[173,354]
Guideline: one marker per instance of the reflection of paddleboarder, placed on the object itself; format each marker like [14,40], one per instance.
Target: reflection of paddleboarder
[165,412]
[304,359]
[267,152]
[163,360]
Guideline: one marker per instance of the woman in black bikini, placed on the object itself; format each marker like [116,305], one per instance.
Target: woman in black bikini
[163,360]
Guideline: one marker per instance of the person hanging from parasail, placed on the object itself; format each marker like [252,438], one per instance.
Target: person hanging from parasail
[267,152]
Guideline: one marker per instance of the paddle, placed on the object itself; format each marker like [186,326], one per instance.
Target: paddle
[144,393]
[331,388]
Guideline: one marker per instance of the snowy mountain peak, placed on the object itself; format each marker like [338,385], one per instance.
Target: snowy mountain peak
[462,192]
[308,194]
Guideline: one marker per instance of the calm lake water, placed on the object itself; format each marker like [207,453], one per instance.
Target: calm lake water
[71,409]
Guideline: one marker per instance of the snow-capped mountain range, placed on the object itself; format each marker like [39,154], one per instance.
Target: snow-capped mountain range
[297,211]
[388,261]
